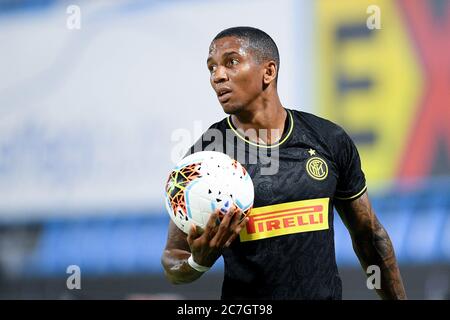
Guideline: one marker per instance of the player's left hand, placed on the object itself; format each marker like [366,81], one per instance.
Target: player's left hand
[207,245]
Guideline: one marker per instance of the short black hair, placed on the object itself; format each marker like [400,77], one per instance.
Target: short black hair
[261,43]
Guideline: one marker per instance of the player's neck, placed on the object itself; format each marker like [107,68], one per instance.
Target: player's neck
[268,114]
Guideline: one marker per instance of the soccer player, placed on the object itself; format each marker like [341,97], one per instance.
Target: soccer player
[284,248]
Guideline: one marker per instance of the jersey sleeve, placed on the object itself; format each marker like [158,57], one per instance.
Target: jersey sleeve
[351,182]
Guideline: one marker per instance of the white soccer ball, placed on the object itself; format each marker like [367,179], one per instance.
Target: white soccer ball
[204,181]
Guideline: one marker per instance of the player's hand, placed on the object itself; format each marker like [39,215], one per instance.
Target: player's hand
[207,245]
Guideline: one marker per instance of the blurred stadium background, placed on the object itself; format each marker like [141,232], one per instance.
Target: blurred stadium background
[92,120]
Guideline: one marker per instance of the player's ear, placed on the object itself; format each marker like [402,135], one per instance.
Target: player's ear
[270,72]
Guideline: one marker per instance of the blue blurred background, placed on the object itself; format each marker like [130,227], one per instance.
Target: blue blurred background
[99,99]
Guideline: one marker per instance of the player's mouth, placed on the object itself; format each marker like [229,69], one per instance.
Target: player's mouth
[224,94]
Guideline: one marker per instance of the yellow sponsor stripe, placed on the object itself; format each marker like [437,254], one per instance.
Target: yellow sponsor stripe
[286,218]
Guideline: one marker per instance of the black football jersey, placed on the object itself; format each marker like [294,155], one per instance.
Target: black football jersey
[286,250]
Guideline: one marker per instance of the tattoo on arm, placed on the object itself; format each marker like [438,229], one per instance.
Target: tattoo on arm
[372,244]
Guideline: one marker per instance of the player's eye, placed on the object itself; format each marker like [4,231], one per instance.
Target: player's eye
[212,68]
[233,62]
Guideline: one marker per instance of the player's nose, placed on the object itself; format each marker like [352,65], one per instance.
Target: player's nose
[220,75]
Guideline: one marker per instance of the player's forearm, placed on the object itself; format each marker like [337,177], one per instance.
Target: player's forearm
[375,248]
[176,267]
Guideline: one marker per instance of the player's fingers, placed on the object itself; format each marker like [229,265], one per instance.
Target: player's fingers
[239,224]
[234,210]
[225,229]
[237,218]
[211,225]
[235,234]
[200,230]
[226,219]
[193,233]
[243,222]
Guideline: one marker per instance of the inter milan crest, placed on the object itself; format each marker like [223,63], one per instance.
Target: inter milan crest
[316,167]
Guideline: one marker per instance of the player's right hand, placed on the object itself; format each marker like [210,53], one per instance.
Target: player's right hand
[207,245]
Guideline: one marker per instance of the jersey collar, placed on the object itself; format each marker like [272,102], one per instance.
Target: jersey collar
[283,139]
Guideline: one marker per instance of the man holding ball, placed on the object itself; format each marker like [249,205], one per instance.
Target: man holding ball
[284,248]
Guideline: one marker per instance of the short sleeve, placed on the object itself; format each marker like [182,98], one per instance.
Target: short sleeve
[351,181]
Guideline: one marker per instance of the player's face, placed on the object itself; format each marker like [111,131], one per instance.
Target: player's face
[236,77]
